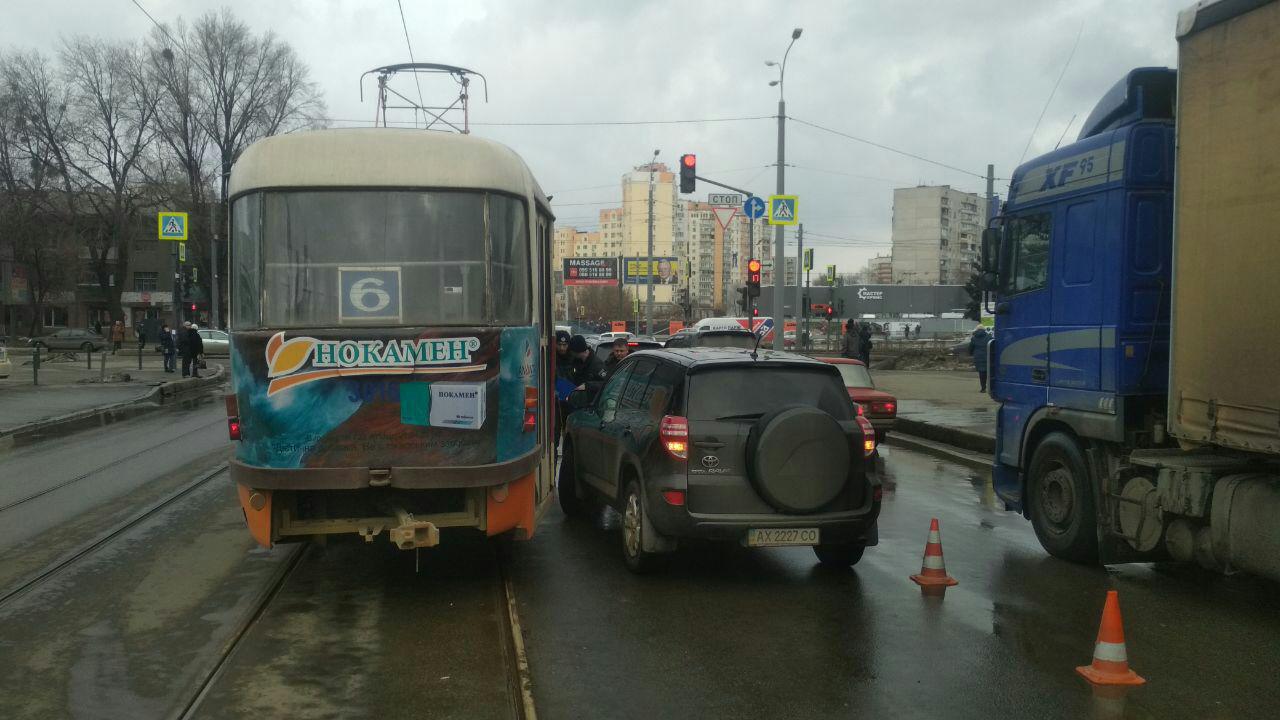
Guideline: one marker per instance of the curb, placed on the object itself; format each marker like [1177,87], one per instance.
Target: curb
[962,439]
[976,461]
[107,414]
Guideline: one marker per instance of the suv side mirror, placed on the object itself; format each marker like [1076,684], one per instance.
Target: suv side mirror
[579,399]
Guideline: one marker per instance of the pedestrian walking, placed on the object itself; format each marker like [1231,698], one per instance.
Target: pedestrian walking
[978,349]
[117,336]
[168,347]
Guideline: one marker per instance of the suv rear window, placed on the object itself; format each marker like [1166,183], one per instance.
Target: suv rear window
[753,391]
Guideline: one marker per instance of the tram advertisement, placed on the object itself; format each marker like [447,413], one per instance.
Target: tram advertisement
[386,397]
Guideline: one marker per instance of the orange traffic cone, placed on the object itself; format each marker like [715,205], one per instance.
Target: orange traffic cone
[933,571]
[1110,661]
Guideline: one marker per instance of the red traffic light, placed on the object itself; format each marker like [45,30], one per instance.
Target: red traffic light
[753,266]
[193,307]
[689,160]
[755,312]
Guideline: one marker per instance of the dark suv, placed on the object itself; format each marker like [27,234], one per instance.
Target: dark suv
[763,449]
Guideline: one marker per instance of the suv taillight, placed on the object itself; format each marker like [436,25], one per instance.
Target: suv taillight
[233,427]
[868,436]
[674,433]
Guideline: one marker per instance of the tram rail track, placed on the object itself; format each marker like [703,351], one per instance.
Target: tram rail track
[88,548]
[96,471]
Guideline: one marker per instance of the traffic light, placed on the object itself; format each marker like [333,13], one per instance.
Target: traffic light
[745,301]
[688,172]
[193,307]
[755,312]
[753,277]
[831,312]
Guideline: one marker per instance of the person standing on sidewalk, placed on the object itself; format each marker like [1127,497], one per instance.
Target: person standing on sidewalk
[192,350]
[978,349]
[117,336]
[168,348]
[849,344]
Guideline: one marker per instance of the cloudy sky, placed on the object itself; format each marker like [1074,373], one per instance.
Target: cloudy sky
[961,83]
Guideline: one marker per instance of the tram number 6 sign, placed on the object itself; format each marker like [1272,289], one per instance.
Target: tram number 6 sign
[369,293]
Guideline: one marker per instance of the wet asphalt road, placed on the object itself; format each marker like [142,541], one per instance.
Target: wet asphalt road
[728,632]
[136,628]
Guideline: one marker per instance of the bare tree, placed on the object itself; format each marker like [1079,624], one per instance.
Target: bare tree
[255,86]
[33,216]
[112,109]
[237,88]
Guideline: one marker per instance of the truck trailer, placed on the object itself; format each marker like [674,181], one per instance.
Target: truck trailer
[1135,276]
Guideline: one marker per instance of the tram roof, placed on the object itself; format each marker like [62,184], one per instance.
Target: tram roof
[382,157]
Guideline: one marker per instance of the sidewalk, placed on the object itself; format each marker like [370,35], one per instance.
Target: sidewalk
[68,387]
[942,405]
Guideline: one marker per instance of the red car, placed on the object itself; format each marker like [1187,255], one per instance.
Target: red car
[879,407]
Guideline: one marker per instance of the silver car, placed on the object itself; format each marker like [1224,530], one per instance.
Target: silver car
[6,365]
[70,339]
[216,342]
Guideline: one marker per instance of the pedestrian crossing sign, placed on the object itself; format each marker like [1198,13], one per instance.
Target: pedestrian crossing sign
[782,209]
[172,226]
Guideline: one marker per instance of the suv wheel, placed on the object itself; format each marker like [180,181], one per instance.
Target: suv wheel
[567,484]
[635,528]
[839,554]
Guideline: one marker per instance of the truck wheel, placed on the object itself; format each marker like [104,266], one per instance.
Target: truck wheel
[1060,495]
[567,484]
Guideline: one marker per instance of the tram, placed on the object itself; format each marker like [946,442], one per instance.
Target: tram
[390,314]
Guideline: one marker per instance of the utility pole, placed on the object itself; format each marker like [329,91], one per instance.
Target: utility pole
[648,311]
[213,267]
[779,239]
[991,193]
[799,290]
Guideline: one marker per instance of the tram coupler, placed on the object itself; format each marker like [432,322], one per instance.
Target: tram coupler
[413,533]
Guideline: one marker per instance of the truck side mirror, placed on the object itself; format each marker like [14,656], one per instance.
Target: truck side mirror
[990,250]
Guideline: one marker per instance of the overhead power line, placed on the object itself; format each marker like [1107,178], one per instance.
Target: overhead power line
[416,81]
[571,123]
[888,148]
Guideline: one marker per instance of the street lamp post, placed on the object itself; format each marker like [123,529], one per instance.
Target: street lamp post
[648,311]
[779,240]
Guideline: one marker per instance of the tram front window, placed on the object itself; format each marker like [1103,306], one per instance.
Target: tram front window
[379,257]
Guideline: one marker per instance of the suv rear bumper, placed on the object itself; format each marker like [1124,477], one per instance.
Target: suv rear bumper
[844,526]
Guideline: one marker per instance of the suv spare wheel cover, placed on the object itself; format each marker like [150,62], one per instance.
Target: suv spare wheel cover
[798,458]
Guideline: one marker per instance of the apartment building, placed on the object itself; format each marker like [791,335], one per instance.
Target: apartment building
[937,233]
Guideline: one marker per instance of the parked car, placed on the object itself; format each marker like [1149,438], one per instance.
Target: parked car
[216,342]
[6,365]
[878,406]
[735,338]
[70,339]
[713,443]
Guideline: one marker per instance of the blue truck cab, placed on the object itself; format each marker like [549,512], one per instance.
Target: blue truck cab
[1079,266]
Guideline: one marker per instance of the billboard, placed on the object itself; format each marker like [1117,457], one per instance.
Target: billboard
[637,271]
[591,271]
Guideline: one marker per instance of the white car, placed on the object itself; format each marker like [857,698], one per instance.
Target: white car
[216,342]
